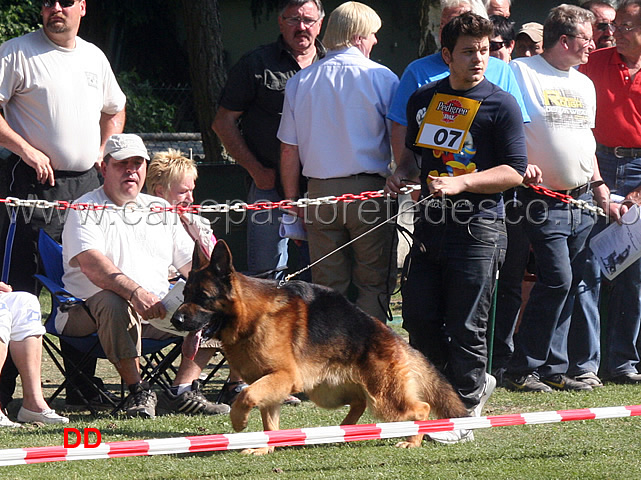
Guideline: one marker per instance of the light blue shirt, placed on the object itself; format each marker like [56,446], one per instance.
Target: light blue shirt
[431,68]
[335,112]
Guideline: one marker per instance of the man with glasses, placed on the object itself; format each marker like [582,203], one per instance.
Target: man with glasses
[61,102]
[561,103]
[614,72]
[603,26]
[249,114]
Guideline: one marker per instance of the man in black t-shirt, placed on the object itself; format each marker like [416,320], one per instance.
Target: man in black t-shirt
[469,136]
[249,115]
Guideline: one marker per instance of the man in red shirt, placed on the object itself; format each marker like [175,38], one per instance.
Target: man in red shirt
[618,135]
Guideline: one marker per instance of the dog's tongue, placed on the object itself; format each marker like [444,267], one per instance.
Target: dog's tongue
[190,344]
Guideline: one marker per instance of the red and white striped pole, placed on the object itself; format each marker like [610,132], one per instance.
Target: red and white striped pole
[303,436]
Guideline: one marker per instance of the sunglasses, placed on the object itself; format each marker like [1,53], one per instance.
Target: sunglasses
[63,3]
[605,26]
[494,46]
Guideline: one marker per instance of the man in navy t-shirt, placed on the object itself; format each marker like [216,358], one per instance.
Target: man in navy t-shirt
[467,136]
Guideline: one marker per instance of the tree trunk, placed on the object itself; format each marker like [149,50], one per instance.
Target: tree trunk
[430,19]
[206,66]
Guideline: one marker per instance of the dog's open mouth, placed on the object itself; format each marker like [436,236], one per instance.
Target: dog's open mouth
[192,341]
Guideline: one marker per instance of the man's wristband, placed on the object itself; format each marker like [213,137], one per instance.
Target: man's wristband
[134,291]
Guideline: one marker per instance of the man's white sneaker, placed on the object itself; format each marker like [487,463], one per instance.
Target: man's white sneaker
[5,422]
[452,436]
[490,385]
[48,416]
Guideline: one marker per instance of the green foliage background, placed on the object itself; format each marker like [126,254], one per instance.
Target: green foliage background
[18,19]
[146,112]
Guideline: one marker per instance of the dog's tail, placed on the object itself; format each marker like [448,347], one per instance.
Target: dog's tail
[436,390]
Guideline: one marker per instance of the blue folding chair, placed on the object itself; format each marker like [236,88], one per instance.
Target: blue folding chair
[156,365]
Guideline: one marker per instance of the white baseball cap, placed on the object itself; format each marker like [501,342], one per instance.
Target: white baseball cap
[125,145]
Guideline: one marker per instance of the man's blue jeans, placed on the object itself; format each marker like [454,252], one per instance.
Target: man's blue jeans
[557,233]
[447,298]
[266,250]
[584,337]
[623,175]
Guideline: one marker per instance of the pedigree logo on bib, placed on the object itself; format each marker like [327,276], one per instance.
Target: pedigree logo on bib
[446,123]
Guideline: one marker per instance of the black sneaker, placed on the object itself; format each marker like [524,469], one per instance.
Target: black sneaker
[141,402]
[525,383]
[190,402]
[563,382]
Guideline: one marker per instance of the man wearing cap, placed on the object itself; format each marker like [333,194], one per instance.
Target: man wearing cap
[529,40]
[432,67]
[614,72]
[117,260]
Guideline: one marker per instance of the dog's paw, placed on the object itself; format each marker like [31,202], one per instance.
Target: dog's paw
[239,419]
[257,451]
[411,442]
[406,445]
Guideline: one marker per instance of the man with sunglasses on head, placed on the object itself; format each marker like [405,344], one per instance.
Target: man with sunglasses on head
[603,26]
[249,114]
[617,130]
[61,102]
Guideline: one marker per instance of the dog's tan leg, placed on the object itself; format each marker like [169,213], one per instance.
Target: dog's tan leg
[421,411]
[266,393]
[356,409]
[271,421]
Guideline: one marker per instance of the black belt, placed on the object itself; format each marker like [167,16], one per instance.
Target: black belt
[620,152]
[580,190]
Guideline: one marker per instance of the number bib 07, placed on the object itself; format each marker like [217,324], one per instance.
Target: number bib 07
[446,123]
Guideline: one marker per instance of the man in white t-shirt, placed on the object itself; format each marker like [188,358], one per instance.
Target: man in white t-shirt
[561,103]
[60,102]
[117,260]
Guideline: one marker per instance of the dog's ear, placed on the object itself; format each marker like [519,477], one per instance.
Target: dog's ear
[199,260]
[221,261]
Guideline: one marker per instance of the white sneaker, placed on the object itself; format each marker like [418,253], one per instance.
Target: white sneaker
[490,385]
[48,416]
[452,436]
[5,422]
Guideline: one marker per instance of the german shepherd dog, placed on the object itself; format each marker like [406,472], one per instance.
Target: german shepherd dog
[301,337]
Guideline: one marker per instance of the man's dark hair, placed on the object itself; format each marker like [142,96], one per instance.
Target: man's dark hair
[468,24]
[299,3]
[503,28]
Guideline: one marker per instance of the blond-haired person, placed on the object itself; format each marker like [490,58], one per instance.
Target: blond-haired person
[172,177]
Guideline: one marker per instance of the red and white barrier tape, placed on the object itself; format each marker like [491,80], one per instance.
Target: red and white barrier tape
[303,436]
[214,207]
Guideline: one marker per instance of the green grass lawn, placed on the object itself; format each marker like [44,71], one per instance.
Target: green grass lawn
[594,449]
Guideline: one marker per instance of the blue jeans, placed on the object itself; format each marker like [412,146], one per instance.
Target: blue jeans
[557,233]
[447,298]
[266,250]
[584,338]
[508,296]
[623,175]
